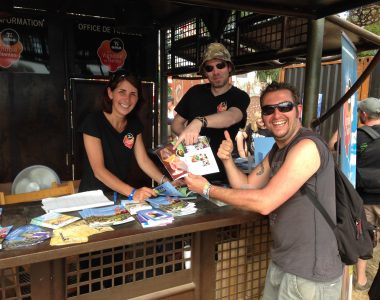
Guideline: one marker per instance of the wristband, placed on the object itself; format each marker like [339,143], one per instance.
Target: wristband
[206,190]
[130,196]
[203,120]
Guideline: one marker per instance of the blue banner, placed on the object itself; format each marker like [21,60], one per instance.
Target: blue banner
[348,119]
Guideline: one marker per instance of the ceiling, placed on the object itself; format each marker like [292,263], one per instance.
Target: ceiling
[162,14]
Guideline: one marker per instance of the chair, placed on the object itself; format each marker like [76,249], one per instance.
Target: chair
[55,191]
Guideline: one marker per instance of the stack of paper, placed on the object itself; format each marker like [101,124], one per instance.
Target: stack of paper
[173,205]
[76,201]
[154,217]
[133,208]
[106,216]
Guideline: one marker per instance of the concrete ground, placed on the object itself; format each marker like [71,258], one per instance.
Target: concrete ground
[372,267]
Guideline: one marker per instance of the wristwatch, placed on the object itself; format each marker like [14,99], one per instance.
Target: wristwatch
[203,120]
[206,190]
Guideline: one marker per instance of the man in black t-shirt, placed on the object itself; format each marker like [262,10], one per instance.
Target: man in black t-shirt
[369,166]
[209,109]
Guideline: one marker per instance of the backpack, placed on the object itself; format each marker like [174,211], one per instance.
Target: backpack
[351,228]
[352,231]
[368,164]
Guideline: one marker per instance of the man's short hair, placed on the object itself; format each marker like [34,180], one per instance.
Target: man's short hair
[371,106]
[276,86]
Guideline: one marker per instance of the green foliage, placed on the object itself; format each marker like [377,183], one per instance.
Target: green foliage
[374,28]
[272,74]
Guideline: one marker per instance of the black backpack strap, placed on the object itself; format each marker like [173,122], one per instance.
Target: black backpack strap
[370,131]
[313,198]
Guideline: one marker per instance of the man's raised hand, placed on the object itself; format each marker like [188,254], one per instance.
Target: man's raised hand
[226,147]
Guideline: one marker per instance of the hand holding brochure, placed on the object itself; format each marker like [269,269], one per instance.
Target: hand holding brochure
[197,158]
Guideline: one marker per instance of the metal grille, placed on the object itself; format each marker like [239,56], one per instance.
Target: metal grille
[112,267]
[186,29]
[242,259]
[15,283]
[296,33]
[260,34]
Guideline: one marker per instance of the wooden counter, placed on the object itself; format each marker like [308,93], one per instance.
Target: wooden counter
[217,253]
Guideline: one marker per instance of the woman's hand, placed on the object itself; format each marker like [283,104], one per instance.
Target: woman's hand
[144,193]
[195,183]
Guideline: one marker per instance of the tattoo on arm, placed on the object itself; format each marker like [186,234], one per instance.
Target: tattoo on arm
[261,169]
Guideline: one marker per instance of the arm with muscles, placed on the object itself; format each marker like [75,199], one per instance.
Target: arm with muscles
[237,179]
[190,133]
[94,152]
[301,163]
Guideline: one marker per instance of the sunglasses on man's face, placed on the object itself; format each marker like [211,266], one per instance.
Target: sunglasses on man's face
[219,66]
[283,107]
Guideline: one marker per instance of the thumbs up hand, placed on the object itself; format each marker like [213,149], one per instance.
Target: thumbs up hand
[226,147]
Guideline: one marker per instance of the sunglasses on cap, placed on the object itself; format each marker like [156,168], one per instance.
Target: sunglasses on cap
[219,66]
[283,107]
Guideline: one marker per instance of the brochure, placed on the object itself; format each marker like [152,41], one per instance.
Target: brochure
[177,207]
[26,235]
[53,220]
[4,231]
[197,158]
[133,208]
[106,216]
[154,217]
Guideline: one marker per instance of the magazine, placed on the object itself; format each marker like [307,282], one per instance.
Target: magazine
[197,158]
[26,235]
[4,231]
[53,220]
[106,216]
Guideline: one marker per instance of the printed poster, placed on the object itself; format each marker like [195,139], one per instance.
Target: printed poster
[348,113]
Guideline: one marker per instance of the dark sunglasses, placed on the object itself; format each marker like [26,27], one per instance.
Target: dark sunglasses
[219,66]
[283,107]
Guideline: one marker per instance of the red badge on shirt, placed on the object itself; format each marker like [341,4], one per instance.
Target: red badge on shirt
[221,107]
[129,140]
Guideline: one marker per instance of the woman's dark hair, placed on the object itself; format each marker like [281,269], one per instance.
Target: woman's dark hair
[115,79]
[276,86]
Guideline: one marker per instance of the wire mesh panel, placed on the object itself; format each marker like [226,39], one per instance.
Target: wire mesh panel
[296,33]
[242,254]
[95,271]
[15,283]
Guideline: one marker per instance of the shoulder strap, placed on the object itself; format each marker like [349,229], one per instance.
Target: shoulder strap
[313,198]
[370,131]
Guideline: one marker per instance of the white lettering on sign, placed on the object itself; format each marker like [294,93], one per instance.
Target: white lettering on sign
[89,27]
[23,21]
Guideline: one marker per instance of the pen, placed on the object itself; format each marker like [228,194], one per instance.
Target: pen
[114,197]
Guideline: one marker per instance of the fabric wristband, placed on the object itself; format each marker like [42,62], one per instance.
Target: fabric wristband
[130,197]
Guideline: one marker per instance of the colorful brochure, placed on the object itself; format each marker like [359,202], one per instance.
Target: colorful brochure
[106,216]
[4,231]
[197,158]
[26,235]
[53,220]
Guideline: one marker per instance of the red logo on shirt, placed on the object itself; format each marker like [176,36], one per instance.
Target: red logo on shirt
[221,107]
[129,140]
